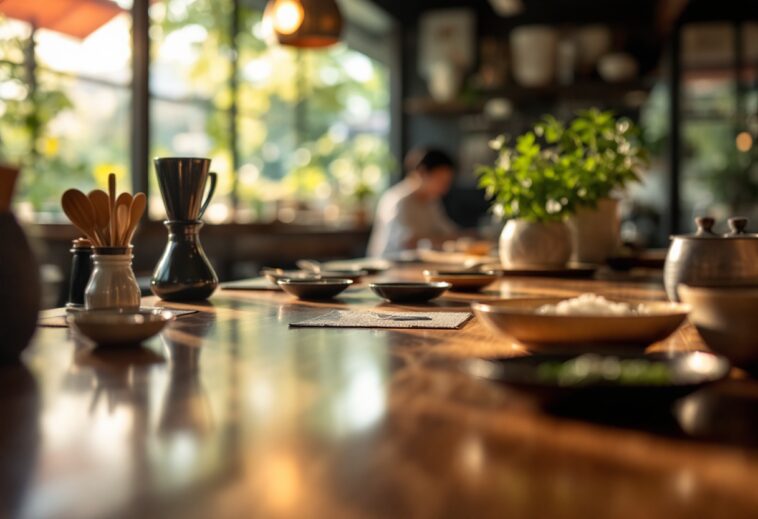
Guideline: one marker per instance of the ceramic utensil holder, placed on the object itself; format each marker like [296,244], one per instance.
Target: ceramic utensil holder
[112,284]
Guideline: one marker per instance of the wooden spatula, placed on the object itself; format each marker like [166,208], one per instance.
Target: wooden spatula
[79,210]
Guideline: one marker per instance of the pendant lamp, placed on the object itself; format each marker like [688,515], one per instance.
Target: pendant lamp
[305,23]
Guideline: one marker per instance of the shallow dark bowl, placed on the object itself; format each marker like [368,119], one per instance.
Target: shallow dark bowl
[461,280]
[689,372]
[572,271]
[274,274]
[353,275]
[404,292]
[314,288]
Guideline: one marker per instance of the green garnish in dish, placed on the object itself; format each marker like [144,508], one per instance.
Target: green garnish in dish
[592,369]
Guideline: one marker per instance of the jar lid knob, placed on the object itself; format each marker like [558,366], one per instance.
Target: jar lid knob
[738,224]
[704,225]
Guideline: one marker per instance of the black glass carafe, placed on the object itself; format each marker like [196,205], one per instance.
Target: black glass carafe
[184,273]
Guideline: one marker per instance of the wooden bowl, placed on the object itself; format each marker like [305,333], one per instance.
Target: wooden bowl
[516,318]
[727,320]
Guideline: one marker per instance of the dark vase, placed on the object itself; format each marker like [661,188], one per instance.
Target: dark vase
[183,273]
[19,289]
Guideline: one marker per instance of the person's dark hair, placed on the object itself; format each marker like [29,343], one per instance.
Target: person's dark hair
[424,160]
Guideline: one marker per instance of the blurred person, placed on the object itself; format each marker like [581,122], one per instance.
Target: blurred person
[412,210]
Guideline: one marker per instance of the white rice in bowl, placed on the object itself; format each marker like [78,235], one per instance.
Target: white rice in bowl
[592,304]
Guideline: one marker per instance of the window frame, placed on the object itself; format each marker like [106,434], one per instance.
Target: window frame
[141,97]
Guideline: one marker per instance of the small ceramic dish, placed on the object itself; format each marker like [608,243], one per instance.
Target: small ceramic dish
[517,319]
[610,382]
[274,274]
[371,266]
[405,292]
[314,288]
[113,328]
[573,271]
[725,317]
[461,280]
[353,275]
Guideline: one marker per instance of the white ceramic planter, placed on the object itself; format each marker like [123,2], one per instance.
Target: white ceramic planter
[595,232]
[112,284]
[534,244]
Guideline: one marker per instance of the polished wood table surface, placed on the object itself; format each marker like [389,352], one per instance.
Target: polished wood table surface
[231,413]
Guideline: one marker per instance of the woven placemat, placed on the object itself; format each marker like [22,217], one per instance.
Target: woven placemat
[354,319]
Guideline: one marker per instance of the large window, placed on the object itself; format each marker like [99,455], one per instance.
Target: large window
[292,134]
[64,108]
[718,121]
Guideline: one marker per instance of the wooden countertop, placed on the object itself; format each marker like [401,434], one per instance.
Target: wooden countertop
[229,413]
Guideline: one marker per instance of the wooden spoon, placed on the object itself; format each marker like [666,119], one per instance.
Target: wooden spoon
[100,202]
[112,205]
[139,202]
[122,218]
[122,224]
[79,210]
[8,177]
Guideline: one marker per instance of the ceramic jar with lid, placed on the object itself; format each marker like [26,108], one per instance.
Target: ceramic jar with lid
[705,258]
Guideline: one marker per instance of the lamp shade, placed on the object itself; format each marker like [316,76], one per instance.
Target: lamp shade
[305,23]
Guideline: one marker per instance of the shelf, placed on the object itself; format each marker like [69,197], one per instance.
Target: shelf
[518,95]
[429,106]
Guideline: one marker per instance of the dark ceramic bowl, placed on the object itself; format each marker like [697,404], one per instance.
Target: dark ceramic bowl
[461,280]
[404,292]
[353,275]
[554,381]
[314,288]
[274,275]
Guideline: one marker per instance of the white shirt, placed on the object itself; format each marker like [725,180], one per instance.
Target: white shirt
[402,215]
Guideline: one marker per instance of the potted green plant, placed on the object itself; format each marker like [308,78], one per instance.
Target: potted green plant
[531,187]
[605,155]
[556,184]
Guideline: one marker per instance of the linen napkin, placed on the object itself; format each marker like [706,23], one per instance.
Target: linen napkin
[354,319]
[56,318]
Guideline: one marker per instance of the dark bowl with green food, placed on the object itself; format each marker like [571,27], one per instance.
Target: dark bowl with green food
[604,382]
